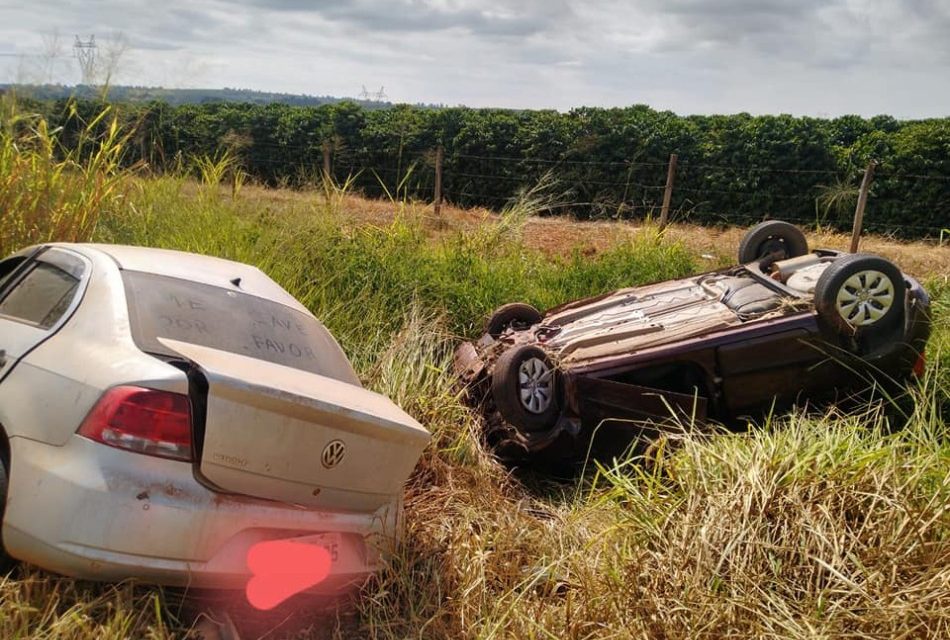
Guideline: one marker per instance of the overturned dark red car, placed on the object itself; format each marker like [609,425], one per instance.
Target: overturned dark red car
[788,326]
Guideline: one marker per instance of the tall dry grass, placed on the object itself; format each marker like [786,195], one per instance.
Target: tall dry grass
[49,191]
[811,527]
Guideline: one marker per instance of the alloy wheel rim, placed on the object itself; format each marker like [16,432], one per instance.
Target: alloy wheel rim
[865,298]
[536,385]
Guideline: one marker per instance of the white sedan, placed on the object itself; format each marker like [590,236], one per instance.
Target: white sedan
[161,413]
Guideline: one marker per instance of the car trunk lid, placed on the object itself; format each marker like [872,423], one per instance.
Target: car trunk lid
[280,433]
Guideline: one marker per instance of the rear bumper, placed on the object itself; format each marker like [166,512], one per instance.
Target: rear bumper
[896,355]
[94,512]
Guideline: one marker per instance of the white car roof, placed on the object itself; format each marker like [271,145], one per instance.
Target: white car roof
[194,267]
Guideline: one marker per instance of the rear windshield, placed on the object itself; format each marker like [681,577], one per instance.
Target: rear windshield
[164,307]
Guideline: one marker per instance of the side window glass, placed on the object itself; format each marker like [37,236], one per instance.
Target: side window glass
[7,267]
[41,297]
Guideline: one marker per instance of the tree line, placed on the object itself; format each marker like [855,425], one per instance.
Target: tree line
[732,169]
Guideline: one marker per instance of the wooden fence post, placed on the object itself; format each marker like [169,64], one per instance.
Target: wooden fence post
[439,152]
[859,209]
[668,192]
[326,160]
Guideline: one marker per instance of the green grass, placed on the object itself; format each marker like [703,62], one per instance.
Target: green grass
[807,526]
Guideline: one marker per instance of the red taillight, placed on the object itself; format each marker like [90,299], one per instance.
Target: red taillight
[156,423]
[920,366]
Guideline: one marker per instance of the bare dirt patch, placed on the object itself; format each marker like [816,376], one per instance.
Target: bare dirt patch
[562,236]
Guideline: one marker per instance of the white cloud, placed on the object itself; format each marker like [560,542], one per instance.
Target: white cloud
[692,56]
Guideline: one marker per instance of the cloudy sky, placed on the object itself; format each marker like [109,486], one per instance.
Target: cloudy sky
[692,56]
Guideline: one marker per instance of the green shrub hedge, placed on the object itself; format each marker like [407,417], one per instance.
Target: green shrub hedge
[733,169]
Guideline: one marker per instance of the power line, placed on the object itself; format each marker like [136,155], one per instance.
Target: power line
[757,169]
[421,154]
[913,176]
[549,161]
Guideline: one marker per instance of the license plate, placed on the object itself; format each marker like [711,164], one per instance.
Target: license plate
[346,555]
[331,542]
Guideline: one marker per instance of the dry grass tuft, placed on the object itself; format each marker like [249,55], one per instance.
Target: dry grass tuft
[813,528]
[34,604]
[561,236]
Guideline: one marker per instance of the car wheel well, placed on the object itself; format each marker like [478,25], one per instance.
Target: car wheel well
[6,561]
[5,448]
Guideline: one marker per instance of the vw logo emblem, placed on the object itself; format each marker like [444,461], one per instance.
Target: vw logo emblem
[333,454]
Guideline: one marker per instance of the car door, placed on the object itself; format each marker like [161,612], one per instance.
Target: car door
[775,370]
[37,295]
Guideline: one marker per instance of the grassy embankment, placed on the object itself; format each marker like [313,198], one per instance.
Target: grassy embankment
[804,527]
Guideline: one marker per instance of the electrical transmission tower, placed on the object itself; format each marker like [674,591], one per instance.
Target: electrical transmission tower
[373,96]
[86,52]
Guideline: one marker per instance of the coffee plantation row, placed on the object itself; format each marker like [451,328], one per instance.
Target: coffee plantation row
[733,169]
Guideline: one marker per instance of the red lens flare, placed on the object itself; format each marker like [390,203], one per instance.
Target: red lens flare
[281,569]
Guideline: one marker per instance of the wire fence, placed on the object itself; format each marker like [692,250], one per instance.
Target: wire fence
[898,203]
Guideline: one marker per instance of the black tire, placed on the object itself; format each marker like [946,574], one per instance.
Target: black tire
[517,314]
[6,561]
[772,236]
[855,278]
[507,388]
